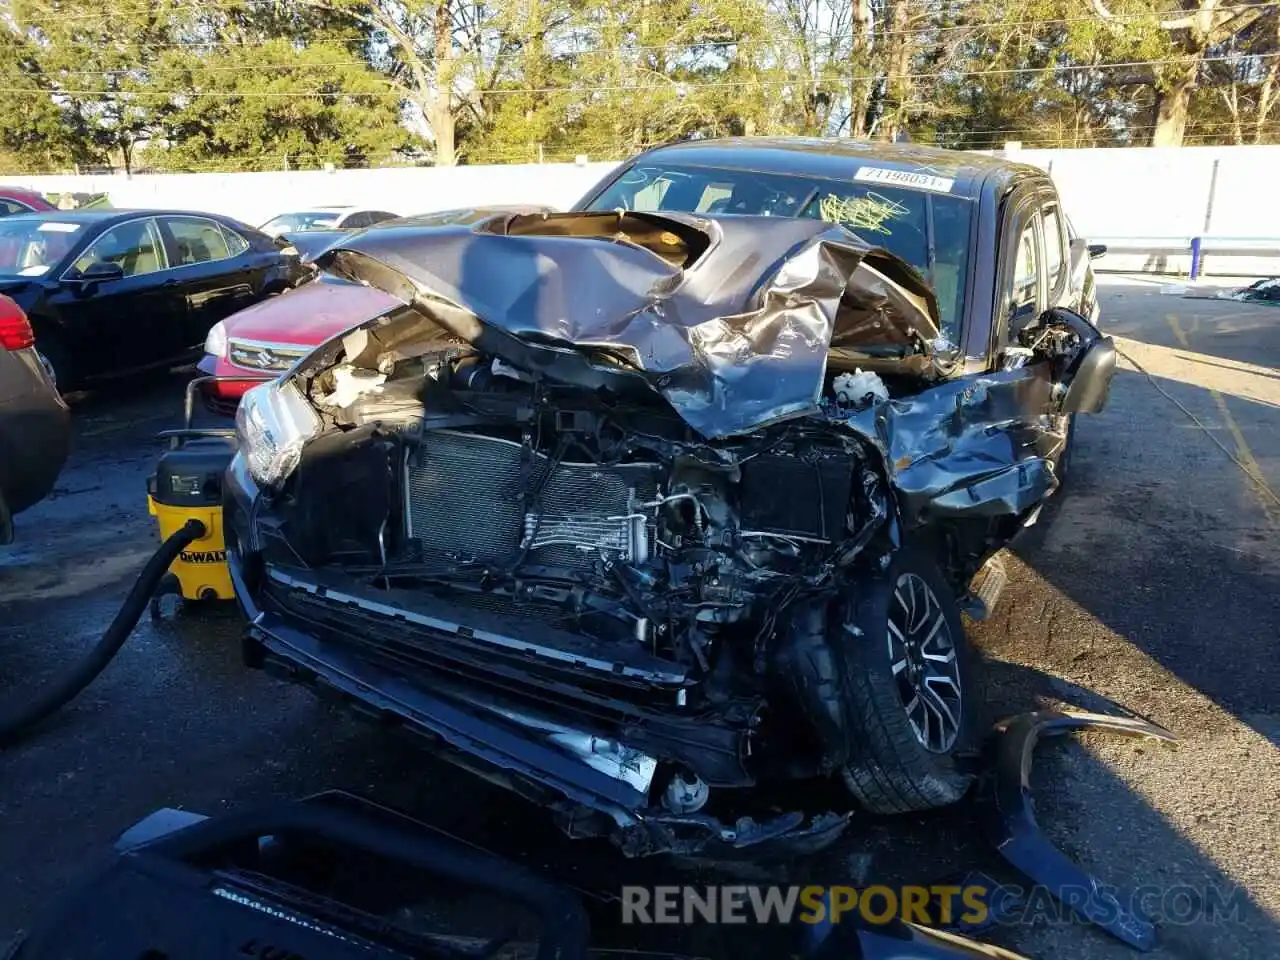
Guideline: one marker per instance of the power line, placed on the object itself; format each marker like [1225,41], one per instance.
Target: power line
[224,6]
[1125,127]
[680,86]
[927,31]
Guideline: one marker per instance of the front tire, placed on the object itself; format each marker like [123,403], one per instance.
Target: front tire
[900,643]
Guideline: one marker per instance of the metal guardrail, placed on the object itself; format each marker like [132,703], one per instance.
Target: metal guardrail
[1195,247]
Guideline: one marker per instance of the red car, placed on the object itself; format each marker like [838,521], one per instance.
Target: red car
[261,342]
[21,200]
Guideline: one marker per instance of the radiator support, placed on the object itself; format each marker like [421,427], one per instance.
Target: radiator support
[465,500]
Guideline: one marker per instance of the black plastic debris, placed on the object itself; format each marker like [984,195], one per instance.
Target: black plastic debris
[1260,291]
[1002,903]
[856,939]
[1011,824]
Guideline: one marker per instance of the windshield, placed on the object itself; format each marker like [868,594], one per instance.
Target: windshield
[31,248]
[890,217]
[309,220]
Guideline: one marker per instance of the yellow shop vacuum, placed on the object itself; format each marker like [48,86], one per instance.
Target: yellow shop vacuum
[187,485]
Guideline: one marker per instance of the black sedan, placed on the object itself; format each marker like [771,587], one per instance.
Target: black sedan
[110,292]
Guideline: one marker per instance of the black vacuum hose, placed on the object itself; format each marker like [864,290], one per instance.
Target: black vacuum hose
[14,724]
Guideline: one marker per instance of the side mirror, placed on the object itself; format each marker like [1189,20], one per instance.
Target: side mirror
[1097,250]
[101,271]
[1090,384]
[1086,382]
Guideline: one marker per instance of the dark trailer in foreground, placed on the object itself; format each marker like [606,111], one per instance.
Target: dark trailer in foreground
[634,512]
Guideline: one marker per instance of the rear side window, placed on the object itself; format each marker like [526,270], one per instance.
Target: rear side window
[12,206]
[196,241]
[1055,254]
[236,244]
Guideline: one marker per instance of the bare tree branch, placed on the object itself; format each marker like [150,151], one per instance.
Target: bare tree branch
[1178,23]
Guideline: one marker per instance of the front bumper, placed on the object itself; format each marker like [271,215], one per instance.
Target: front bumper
[594,784]
[223,396]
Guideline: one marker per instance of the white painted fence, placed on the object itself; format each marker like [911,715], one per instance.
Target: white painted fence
[257,197]
[1151,194]
[1161,197]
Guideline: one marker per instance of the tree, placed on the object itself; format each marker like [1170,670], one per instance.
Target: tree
[94,59]
[34,134]
[262,83]
[1240,88]
[1204,24]
[429,50]
[271,106]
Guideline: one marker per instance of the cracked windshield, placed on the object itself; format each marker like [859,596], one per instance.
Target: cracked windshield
[883,216]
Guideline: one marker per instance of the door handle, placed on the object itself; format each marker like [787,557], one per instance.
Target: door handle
[169,283]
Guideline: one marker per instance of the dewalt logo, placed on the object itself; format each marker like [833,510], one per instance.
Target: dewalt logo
[203,556]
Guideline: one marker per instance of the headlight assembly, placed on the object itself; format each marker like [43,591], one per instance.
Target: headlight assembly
[272,424]
[216,342]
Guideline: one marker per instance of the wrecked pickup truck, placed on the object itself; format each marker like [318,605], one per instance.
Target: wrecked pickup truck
[635,513]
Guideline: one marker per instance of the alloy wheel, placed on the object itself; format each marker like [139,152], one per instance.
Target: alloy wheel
[923,658]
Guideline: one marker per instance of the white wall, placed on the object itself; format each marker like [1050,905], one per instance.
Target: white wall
[257,197]
[1130,193]
[1164,191]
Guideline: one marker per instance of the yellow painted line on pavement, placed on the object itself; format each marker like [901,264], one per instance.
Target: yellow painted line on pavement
[1247,460]
[1177,330]
[1229,377]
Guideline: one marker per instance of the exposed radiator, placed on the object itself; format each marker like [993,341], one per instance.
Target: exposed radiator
[462,501]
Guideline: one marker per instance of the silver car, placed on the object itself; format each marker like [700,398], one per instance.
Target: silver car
[324,218]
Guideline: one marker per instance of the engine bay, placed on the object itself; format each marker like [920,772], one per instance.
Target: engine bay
[600,514]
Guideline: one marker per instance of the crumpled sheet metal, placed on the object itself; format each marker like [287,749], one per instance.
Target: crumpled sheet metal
[1011,824]
[736,341]
[975,447]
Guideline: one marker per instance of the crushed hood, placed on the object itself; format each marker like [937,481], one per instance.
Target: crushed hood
[731,319]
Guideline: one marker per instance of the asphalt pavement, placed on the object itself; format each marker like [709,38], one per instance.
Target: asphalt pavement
[1152,582]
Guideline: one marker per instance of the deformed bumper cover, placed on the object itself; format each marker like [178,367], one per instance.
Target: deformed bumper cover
[486,743]
[480,743]
[186,886]
[500,745]
[1011,824]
